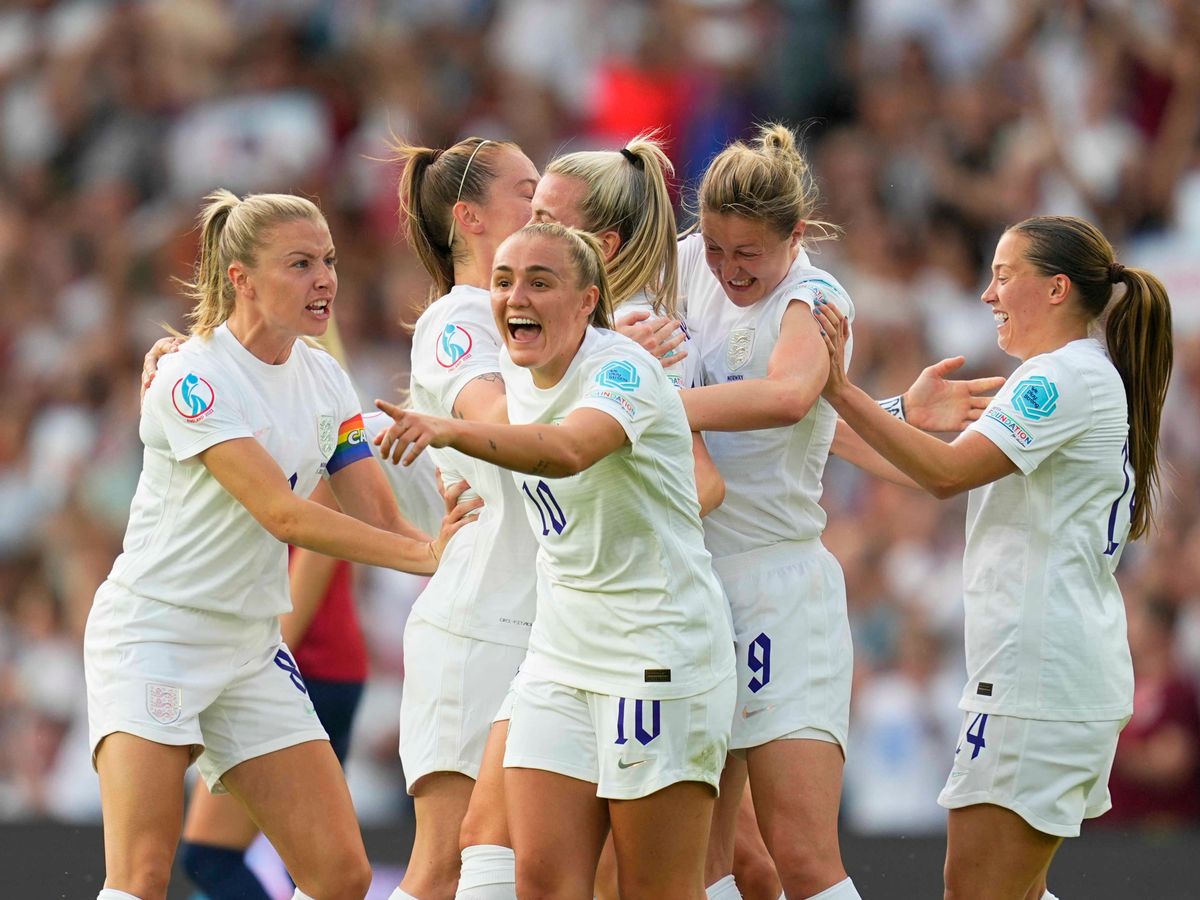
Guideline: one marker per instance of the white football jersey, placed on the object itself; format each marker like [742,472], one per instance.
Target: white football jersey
[772,475]
[485,585]
[683,374]
[627,600]
[1045,623]
[189,542]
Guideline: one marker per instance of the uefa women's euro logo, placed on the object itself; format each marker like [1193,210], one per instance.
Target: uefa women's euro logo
[193,397]
[454,345]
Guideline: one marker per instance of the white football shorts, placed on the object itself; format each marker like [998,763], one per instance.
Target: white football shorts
[224,684]
[1052,774]
[628,748]
[792,639]
[453,687]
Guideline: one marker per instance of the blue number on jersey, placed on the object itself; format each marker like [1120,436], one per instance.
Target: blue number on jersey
[758,658]
[1112,545]
[288,665]
[547,507]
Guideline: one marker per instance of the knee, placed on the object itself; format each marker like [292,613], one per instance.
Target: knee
[342,877]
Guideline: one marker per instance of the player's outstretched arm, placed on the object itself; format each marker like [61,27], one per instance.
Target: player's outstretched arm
[583,438]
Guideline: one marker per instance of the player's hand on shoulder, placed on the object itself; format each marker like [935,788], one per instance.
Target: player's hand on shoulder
[161,348]
[660,336]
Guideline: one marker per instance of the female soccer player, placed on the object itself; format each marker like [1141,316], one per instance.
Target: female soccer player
[182,650]
[1062,470]
[620,710]
[749,287]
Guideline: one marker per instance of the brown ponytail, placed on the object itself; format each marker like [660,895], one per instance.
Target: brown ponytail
[1138,334]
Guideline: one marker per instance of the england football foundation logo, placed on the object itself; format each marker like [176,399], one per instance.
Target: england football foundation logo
[164,702]
[1036,397]
[739,348]
[454,345]
[193,397]
[620,375]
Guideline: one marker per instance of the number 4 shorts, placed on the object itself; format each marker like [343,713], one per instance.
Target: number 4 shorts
[225,685]
[1052,774]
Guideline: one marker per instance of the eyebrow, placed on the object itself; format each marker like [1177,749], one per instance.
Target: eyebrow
[308,255]
[507,270]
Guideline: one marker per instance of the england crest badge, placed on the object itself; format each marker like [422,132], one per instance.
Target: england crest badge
[164,702]
[326,435]
[740,348]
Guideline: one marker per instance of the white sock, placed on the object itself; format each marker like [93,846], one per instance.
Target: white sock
[114,894]
[300,895]
[398,894]
[843,890]
[725,889]
[489,872]
[1048,895]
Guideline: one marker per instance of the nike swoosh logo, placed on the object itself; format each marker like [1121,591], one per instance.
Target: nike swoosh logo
[747,712]
[621,764]
[957,774]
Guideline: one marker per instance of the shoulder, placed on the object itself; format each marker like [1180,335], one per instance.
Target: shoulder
[1077,376]
[809,284]
[617,363]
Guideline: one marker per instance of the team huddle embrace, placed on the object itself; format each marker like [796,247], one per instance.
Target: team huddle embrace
[629,674]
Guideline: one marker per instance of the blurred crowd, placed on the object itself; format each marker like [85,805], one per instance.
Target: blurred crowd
[930,124]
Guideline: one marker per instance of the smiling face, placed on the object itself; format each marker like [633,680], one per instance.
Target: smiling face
[1022,299]
[746,256]
[540,308]
[289,291]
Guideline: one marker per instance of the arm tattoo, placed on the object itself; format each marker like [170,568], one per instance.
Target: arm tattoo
[492,443]
[493,377]
[542,466]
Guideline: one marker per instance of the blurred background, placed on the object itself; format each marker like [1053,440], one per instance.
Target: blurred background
[931,124]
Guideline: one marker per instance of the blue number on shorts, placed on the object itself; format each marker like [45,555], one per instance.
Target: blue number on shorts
[758,658]
[639,724]
[1113,543]
[547,507]
[976,740]
[288,665]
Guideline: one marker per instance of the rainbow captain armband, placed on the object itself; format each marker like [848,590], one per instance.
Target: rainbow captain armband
[894,406]
[351,445]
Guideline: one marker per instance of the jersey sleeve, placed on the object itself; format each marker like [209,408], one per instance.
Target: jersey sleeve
[196,407]
[451,351]
[626,386]
[1041,407]
[811,289]
[690,265]
[352,444]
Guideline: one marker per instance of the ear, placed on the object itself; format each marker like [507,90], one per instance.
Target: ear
[239,276]
[466,217]
[797,235]
[610,243]
[1060,287]
[591,297]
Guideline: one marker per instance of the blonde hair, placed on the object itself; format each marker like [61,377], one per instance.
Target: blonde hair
[233,229]
[1137,332]
[627,192]
[768,180]
[586,257]
[431,184]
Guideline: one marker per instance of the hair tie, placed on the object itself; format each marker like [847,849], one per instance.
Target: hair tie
[437,154]
[632,157]
[1115,271]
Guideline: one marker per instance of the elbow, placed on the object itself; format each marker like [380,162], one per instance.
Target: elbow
[945,486]
[792,407]
[283,524]
[712,495]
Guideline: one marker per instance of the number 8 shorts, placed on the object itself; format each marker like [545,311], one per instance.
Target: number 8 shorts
[628,748]
[792,639]
[224,684]
[1052,774]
